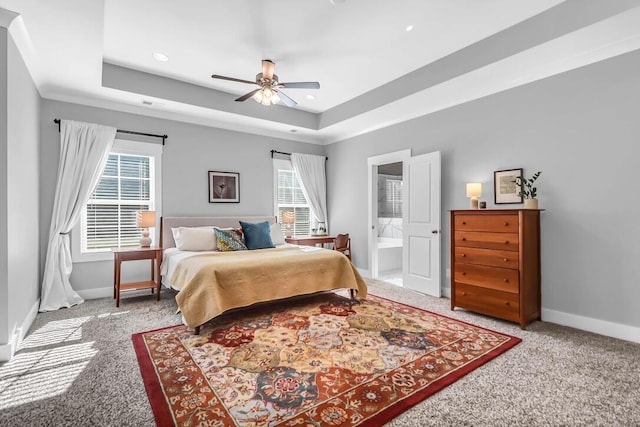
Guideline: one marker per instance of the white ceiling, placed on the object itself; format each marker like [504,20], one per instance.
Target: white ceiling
[372,72]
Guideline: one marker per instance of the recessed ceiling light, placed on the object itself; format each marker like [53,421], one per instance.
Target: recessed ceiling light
[409,28]
[160,57]
[310,97]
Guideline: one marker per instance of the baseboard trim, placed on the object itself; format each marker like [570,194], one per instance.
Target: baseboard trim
[446,292]
[364,273]
[96,293]
[602,327]
[108,292]
[8,350]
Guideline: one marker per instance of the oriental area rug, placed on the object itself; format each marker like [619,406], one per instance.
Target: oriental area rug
[324,360]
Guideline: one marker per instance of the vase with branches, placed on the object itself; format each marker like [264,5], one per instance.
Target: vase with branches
[528,191]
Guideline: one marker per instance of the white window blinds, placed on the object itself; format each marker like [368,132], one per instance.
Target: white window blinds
[289,197]
[130,182]
[109,219]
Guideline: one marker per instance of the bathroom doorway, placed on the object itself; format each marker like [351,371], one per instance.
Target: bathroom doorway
[420,225]
[390,223]
[386,202]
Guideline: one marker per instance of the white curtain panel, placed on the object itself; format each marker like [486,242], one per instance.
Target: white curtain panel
[84,150]
[313,180]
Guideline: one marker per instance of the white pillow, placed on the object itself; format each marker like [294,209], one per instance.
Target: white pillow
[194,238]
[276,234]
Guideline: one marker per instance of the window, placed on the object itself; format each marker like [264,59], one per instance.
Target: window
[389,196]
[289,197]
[394,197]
[129,183]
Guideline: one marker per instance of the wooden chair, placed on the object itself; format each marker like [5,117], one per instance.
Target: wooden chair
[342,243]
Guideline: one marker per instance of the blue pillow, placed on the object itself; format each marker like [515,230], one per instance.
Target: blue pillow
[257,235]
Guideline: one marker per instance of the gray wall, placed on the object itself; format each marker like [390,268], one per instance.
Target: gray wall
[190,152]
[581,129]
[4,266]
[19,194]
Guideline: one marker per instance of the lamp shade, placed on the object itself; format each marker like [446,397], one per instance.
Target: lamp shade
[474,189]
[288,217]
[145,219]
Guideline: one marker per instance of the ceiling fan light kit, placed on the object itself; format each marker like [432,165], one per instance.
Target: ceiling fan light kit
[270,92]
[266,96]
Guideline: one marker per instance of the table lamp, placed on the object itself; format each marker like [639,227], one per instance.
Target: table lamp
[144,220]
[288,217]
[474,190]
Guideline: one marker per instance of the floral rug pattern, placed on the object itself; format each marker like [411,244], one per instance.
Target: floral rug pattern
[320,361]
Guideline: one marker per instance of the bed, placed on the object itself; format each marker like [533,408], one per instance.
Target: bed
[210,283]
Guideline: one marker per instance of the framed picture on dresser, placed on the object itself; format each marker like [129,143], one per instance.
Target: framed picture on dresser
[505,189]
[224,187]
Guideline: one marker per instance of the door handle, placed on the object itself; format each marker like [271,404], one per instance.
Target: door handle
[435,231]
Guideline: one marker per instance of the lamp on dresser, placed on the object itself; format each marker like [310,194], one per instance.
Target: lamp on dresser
[474,190]
[144,220]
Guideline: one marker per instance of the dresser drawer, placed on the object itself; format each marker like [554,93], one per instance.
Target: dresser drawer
[490,257]
[502,279]
[495,223]
[504,305]
[477,239]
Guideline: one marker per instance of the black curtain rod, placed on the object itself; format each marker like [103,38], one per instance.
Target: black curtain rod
[164,137]
[285,154]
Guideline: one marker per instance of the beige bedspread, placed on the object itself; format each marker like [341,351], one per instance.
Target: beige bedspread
[211,284]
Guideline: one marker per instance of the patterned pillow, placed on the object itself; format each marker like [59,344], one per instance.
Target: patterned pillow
[229,240]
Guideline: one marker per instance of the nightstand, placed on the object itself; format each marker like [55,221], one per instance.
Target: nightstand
[136,254]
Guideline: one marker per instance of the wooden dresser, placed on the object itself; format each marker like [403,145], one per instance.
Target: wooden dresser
[495,263]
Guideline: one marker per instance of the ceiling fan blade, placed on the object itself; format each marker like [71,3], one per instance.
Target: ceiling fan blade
[247,95]
[286,100]
[268,66]
[300,85]
[232,79]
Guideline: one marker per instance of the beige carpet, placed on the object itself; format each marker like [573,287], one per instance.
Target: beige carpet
[77,367]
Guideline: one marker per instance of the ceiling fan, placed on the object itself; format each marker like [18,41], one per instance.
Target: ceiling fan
[270,91]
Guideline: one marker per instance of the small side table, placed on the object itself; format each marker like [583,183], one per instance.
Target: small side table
[136,254]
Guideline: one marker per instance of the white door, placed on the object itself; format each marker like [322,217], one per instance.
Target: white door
[421,224]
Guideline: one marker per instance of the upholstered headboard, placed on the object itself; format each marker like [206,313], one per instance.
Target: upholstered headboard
[167,223]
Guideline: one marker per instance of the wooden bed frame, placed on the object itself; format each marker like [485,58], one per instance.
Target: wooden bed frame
[167,223]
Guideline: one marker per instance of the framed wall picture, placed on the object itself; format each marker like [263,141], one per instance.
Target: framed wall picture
[224,187]
[505,190]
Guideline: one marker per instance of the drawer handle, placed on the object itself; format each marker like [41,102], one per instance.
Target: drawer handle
[506,223]
[464,239]
[507,303]
[506,242]
[464,274]
[464,222]
[506,259]
[463,255]
[464,294]
[506,280]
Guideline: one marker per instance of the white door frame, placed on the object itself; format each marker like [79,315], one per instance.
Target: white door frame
[372,226]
